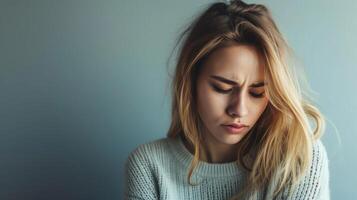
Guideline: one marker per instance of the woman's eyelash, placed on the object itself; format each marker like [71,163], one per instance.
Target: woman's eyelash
[257,95]
[221,90]
[228,91]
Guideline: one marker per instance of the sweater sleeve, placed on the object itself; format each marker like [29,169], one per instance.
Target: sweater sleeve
[315,184]
[140,182]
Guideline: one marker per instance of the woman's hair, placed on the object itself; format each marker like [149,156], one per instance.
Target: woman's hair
[282,138]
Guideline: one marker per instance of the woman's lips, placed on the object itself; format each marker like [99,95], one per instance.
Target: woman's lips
[236,125]
[234,129]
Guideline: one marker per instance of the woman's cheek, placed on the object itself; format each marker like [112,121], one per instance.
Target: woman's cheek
[217,103]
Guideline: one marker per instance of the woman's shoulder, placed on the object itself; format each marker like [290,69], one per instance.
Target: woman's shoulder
[319,156]
[142,168]
[152,146]
[315,183]
[152,150]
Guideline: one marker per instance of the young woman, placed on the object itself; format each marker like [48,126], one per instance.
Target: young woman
[240,124]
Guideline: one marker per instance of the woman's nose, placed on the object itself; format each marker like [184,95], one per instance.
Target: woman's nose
[238,107]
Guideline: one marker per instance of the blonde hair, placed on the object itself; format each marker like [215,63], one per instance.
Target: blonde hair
[282,138]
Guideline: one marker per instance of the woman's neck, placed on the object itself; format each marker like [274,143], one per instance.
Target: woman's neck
[215,153]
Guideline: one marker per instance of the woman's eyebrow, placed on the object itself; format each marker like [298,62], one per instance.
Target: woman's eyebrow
[230,82]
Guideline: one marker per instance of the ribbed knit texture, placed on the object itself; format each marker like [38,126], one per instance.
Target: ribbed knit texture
[158,170]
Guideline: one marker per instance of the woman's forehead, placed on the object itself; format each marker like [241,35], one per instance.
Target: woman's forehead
[235,59]
[239,62]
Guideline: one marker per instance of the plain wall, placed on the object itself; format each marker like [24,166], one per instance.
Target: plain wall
[83,82]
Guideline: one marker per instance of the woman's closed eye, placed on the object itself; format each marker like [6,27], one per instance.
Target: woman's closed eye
[223,91]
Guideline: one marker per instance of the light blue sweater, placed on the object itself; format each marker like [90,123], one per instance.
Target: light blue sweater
[158,170]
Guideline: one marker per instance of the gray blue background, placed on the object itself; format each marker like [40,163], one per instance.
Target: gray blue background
[82,83]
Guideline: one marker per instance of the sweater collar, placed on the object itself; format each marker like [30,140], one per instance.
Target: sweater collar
[204,168]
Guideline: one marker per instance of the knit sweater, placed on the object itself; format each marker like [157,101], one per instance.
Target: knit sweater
[159,169]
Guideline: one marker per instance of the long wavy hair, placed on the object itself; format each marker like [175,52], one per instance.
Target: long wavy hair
[282,138]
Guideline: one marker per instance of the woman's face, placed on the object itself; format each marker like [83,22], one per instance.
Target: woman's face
[228,91]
